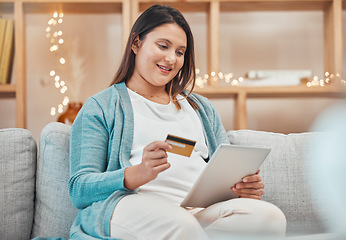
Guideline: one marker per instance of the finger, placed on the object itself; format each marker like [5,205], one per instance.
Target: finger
[157,154]
[162,167]
[252,178]
[251,196]
[152,163]
[255,185]
[249,191]
[157,145]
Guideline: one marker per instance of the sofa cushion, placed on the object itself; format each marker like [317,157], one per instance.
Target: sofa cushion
[18,153]
[54,211]
[285,176]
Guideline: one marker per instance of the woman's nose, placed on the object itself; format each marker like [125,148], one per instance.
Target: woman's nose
[170,57]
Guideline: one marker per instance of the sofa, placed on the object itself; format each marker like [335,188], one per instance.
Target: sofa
[34,199]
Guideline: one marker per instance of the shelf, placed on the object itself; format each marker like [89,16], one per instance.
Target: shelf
[76,6]
[274,5]
[8,88]
[183,6]
[272,91]
[240,94]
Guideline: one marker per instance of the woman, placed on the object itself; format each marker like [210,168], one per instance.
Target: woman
[123,179]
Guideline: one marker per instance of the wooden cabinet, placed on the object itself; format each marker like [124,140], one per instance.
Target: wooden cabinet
[130,9]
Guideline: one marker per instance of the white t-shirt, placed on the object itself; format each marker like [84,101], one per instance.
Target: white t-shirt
[152,122]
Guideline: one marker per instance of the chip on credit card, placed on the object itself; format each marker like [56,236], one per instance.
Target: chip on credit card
[181,146]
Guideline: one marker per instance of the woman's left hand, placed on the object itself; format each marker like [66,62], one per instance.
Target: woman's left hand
[251,187]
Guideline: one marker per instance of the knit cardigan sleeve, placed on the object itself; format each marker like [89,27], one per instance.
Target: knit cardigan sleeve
[89,156]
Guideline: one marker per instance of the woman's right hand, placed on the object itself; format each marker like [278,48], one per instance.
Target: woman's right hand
[154,161]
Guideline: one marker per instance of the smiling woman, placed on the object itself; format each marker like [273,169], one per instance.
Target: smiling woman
[125,179]
[159,58]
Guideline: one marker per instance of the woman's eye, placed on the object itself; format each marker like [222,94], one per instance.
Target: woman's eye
[180,53]
[162,46]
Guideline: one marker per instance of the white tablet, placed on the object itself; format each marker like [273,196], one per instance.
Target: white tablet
[228,166]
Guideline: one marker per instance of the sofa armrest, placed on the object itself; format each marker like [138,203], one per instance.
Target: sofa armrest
[18,152]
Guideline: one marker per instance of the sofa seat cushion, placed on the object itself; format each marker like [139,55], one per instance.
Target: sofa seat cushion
[18,151]
[285,176]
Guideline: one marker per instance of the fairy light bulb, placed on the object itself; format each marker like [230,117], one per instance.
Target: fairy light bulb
[62,60]
[60,108]
[63,89]
[52,111]
[65,101]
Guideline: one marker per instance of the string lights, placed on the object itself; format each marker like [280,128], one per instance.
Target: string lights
[216,78]
[229,79]
[328,79]
[54,34]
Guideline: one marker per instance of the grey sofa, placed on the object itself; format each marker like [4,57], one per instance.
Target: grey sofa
[34,198]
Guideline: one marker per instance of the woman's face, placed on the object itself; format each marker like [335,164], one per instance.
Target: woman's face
[160,56]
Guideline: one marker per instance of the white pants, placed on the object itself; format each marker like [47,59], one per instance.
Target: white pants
[147,216]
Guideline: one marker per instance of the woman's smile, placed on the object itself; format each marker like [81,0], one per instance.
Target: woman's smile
[164,69]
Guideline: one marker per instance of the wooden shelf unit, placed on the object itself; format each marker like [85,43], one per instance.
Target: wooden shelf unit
[332,25]
[130,9]
[19,8]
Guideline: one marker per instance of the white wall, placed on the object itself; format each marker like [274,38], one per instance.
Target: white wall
[266,40]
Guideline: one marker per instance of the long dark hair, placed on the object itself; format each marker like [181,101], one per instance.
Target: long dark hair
[151,18]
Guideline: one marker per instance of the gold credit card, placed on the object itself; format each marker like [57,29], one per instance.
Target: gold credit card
[181,146]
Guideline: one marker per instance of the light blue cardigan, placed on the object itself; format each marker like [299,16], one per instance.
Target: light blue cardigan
[100,147]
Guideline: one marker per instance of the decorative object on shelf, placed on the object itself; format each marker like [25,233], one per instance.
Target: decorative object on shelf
[275,77]
[6,49]
[70,114]
[329,78]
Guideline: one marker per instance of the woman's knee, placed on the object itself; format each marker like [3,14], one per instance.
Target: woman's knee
[268,218]
[245,216]
[275,219]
